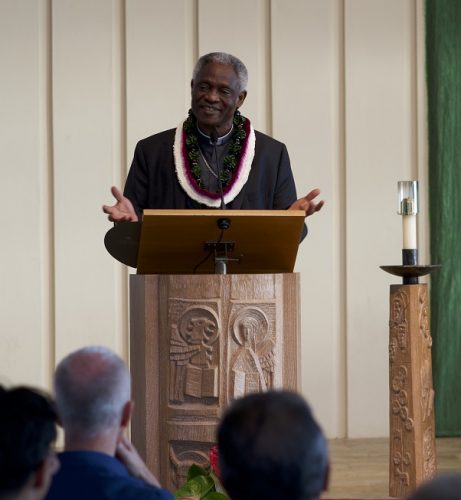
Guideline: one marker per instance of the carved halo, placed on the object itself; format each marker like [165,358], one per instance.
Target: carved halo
[256,319]
[199,313]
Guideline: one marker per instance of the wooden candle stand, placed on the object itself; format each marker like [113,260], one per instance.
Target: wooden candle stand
[412,458]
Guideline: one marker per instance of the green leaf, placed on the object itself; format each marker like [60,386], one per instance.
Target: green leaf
[195,470]
[214,495]
[217,483]
[198,486]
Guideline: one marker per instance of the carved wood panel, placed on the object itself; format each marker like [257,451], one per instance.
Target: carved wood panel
[217,337]
[412,433]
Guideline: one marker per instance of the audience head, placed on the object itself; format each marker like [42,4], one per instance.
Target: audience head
[270,447]
[92,390]
[27,432]
[444,487]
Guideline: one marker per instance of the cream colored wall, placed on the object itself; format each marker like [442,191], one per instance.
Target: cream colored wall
[340,82]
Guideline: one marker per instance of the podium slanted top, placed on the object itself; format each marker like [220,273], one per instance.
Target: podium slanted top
[179,241]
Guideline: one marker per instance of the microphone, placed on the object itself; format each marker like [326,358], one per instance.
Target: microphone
[214,142]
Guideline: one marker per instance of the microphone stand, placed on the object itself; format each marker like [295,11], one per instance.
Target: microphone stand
[220,261]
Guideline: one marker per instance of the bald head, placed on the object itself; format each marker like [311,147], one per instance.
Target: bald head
[92,385]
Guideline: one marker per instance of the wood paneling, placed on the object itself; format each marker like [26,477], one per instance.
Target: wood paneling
[24,291]
[244,33]
[307,115]
[159,60]
[340,82]
[84,116]
[379,152]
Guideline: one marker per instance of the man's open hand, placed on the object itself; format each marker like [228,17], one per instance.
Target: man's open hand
[308,203]
[128,455]
[122,211]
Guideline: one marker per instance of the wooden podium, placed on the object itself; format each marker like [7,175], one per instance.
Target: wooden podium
[198,341]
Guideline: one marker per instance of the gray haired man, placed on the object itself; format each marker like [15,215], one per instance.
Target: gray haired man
[212,159]
[92,391]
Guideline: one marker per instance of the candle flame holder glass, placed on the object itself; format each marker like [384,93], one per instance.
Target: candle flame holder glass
[408,197]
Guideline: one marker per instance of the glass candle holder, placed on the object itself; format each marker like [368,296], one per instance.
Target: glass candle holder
[408,208]
[408,197]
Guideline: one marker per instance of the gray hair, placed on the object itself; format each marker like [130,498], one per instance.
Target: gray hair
[92,385]
[224,58]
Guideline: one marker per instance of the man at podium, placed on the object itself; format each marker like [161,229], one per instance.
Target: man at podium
[214,158]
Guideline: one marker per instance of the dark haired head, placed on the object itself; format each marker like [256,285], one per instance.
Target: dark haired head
[445,487]
[270,447]
[27,431]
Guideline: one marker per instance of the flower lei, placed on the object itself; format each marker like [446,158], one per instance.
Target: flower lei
[236,164]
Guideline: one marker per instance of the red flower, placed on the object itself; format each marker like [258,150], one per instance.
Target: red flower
[214,461]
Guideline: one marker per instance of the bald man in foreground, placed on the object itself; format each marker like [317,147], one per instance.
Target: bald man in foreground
[92,390]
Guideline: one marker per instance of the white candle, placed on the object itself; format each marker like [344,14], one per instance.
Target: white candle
[408,208]
[409,232]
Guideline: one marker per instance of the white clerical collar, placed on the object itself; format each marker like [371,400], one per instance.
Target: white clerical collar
[220,140]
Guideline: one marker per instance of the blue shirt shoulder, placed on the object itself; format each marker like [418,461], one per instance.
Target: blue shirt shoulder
[92,475]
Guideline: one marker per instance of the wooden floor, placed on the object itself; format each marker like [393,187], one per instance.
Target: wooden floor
[360,467]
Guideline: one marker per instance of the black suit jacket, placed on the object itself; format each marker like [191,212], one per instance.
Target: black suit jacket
[152,180]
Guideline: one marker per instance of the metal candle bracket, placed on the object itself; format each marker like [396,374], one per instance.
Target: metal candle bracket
[410,270]
[411,273]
